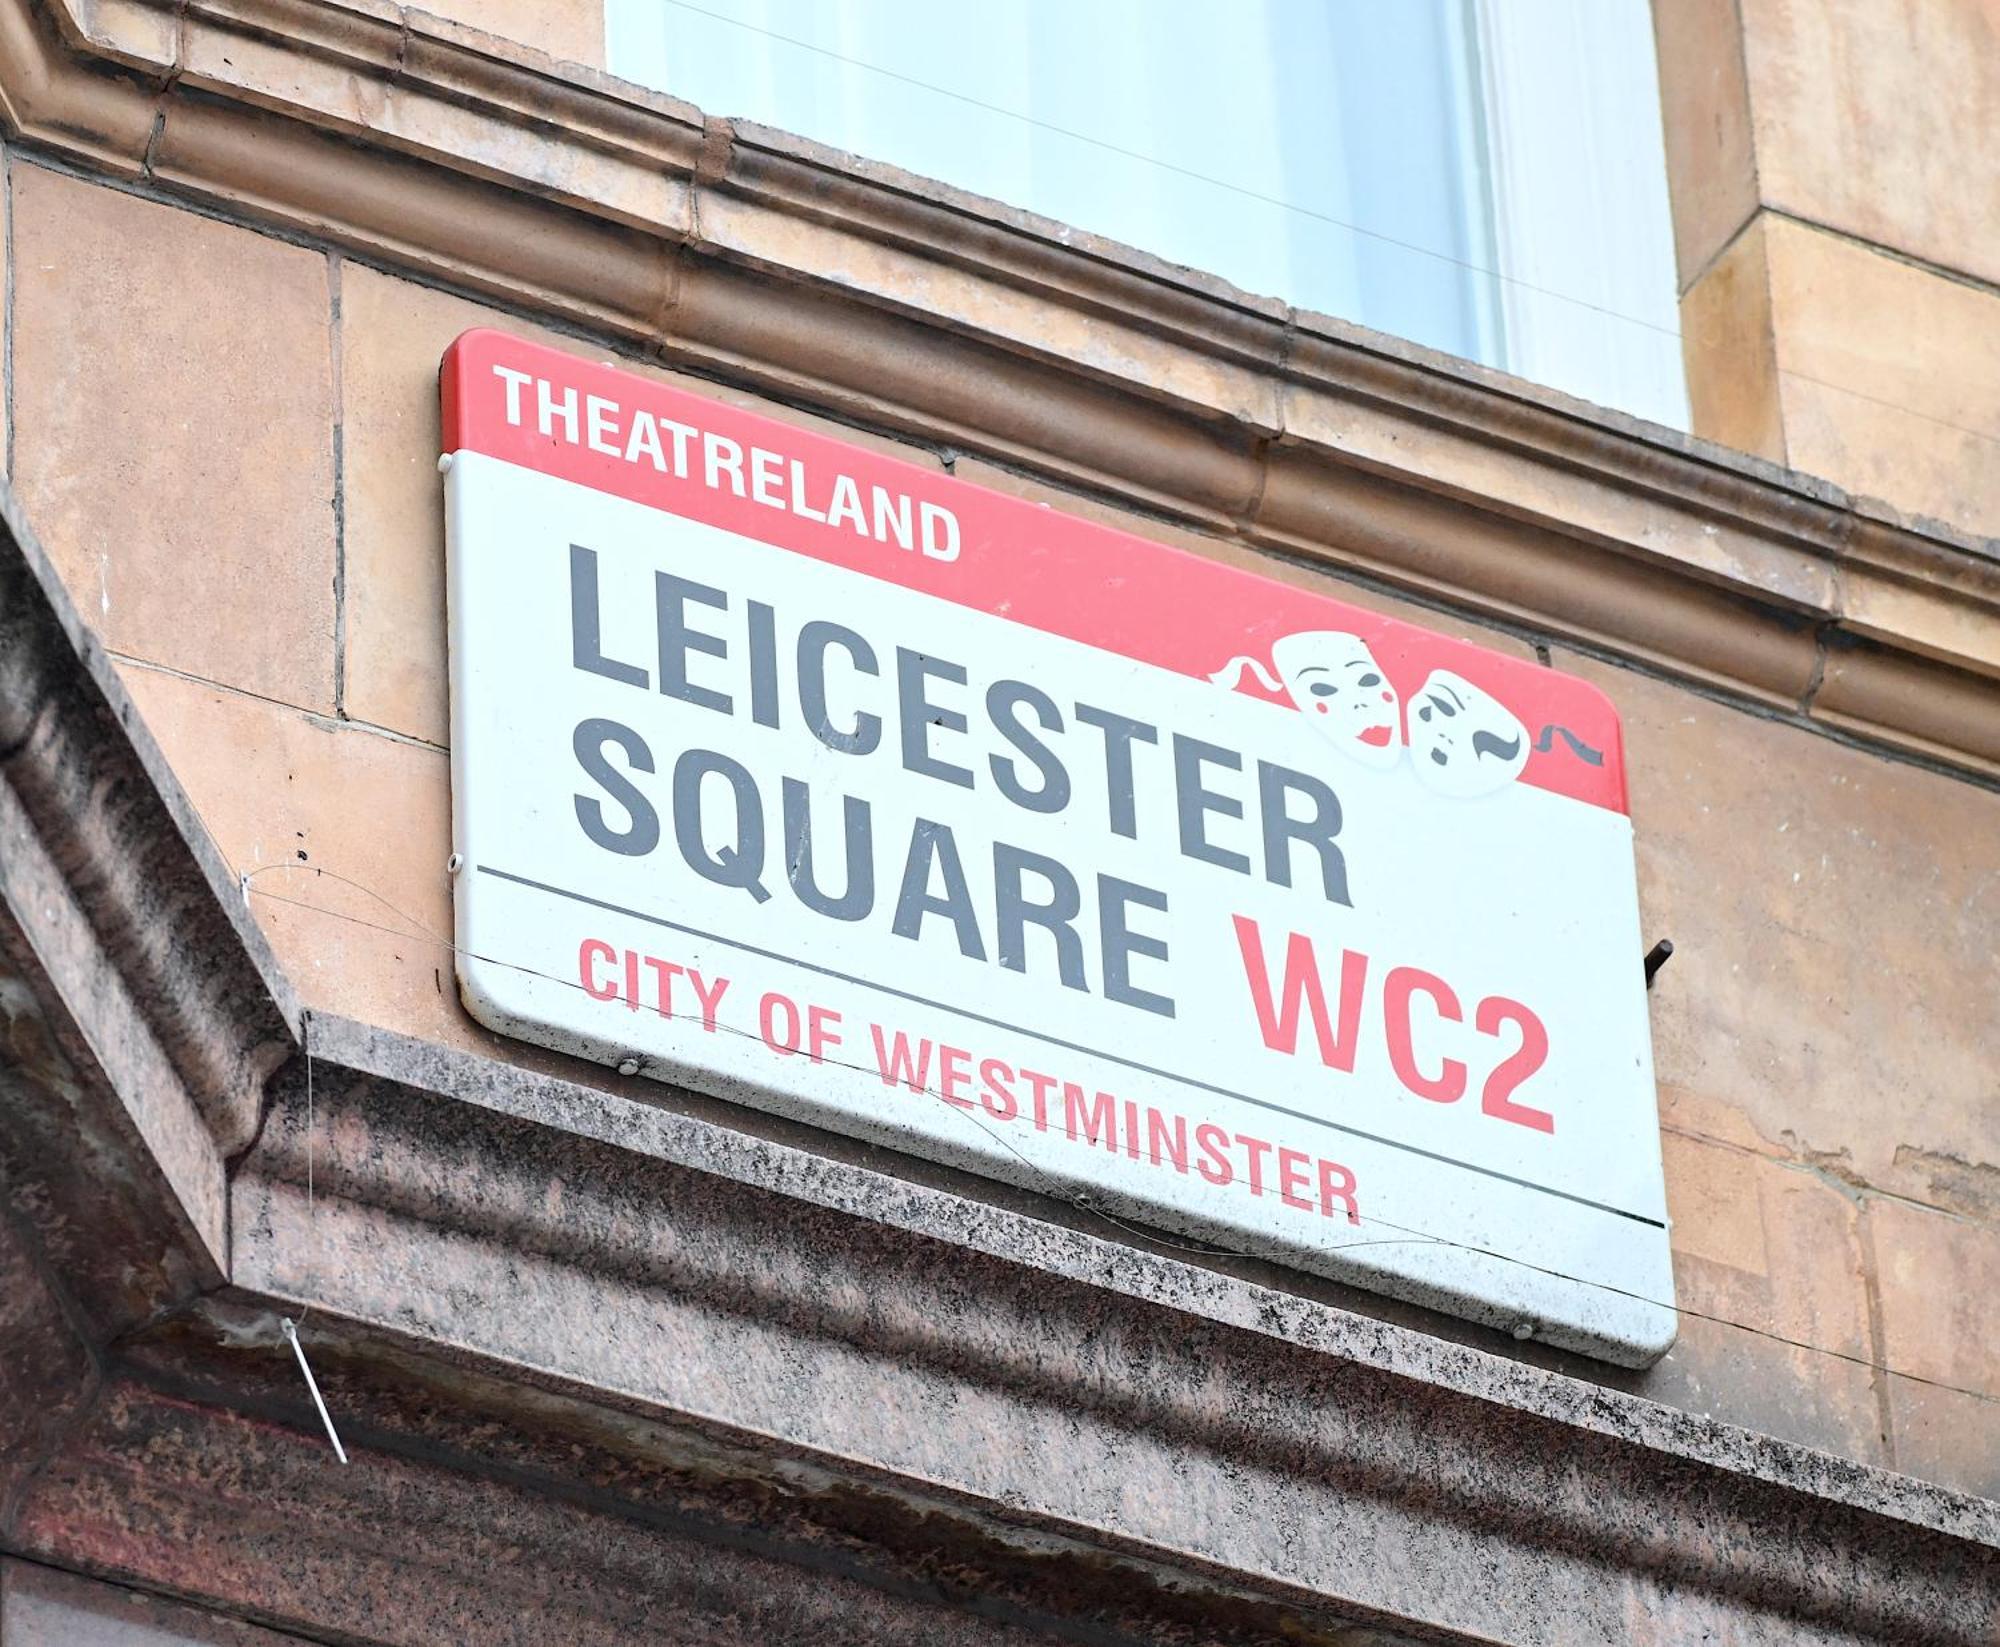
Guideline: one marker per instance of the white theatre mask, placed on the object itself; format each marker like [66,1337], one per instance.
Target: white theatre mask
[1339,687]
[1463,742]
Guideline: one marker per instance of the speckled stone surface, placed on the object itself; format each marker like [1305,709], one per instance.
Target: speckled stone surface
[904,1333]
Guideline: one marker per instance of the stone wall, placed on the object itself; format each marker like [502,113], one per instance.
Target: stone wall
[227,439]
[1836,198]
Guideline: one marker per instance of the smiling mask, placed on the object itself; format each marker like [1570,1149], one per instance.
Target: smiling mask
[1340,689]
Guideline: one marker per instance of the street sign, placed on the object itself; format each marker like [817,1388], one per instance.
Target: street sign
[833,785]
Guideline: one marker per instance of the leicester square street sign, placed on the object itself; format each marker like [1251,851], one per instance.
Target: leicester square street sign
[838,787]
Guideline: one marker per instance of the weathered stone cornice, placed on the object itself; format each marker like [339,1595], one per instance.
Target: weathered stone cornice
[141,1013]
[902,304]
[970,1359]
[111,874]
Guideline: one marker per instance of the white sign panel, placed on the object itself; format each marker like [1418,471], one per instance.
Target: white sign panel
[841,788]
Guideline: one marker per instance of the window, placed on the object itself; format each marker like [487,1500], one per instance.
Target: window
[1486,177]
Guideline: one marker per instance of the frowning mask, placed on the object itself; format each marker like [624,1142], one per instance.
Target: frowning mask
[1340,688]
[1462,741]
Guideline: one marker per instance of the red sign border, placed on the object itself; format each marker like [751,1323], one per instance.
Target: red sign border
[1022,561]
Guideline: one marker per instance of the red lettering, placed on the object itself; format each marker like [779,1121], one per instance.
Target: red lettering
[1292,1170]
[898,1066]
[773,1010]
[1158,1128]
[1099,1117]
[1496,1098]
[821,1035]
[1040,1085]
[588,954]
[1336,1183]
[664,973]
[1280,1024]
[1214,1145]
[1258,1150]
[709,995]
[1448,1086]
[954,1074]
[998,1098]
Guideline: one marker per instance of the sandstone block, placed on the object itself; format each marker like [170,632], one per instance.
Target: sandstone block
[173,403]
[1835,914]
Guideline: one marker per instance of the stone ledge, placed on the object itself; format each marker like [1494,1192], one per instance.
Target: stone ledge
[903,304]
[608,1248]
[485,1517]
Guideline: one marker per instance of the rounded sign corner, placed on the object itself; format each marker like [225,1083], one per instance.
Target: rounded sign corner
[1654,1334]
[495,997]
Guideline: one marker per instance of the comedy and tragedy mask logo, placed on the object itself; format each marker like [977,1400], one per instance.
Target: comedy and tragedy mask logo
[1460,739]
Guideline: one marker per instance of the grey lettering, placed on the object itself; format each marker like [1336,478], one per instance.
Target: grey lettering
[1194,802]
[933,843]
[913,671]
[740,863]
[642,834]
[1281,829]
[1119,734]
[859,898]
[1014,913]
[1003,701]
[814,640]
[671,596]
[586,643]
[1121,943]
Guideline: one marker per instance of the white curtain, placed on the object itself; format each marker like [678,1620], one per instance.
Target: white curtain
[1334,153]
